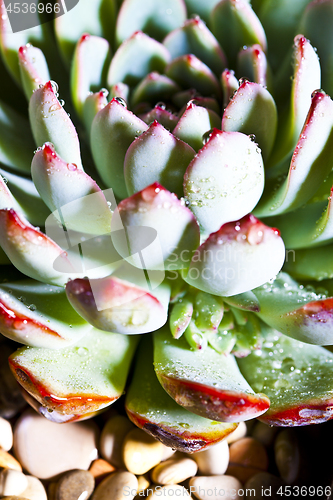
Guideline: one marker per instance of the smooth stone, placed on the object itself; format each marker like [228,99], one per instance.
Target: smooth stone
[238,433]
[75,485]
[143,482]
[264,433]
[117,486]
[46,449]
[141,452]
[265,485]
[287,455]
[214,460]
[171,491]
[11,399]
[6,434]
[7,461]
[112,438]
[100,468]
[174,471]
[222,487]
[247,457]
[167,453]
[14,498]
[12,482]
[35,489]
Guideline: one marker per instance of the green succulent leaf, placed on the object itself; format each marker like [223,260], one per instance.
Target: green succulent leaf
[195,122]
[297,377]
[225,179]
[204,382]
[310,263]
[180,317]
[33,69]
[234,24]
[146,162]
[247,301]
[252,110]
[229,85]
[92,105]
[201,9]
[154,88]
[252,64]
[163,116]
[89,66]
[50,123]
[153,410]
[29,314]
[195,38]
[296,311]
[260,255]
[155,17]
[135,58]
[76,381]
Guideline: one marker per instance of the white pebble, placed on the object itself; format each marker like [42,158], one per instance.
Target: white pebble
[118,486]
[174,471]
[216,488]
[12,482]
[6,434]
[169,492]
[238,433]
[112,438]
[214,460]
[35,489]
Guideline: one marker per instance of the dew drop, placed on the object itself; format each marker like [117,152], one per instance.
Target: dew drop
[121,101]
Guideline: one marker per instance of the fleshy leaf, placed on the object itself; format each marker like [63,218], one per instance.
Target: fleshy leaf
[195,38]
[50,123]
[78,380]
[48,173]
[88,69]
[155,17]
[194,123]
[252,110]
[208,312]
[154,88]
[247,301]
[296,311]
[305,80]
[229,85]
[205,382]
[130,306]
[310,263]
[112,131]
[297,377]
[180,317]
[135,58]
[167,119]
[158,414]
[96,17]
[157,155]
[234,24]
[29,314]
[225,179]
[260,256]
[310,164]
[200,8]
[33,68]
[252,64]
[91,106]
[189,71]
[16,142]
[154,230]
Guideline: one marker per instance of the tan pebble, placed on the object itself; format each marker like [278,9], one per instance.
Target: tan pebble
[247,457]
[12,482]
[46,449]
[75,484]
[213,460]
[265,485]
[167,453]
[112,438]
[287,455]
[238,433]
[222,487]
[117,486]
[143,482]
[168,492]
[35,489]
[7,461]
[11,497]
[174,471]
[141,452]
[6,434]
[264,433]
[100,469]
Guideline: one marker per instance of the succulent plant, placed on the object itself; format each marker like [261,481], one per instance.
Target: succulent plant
[195,130]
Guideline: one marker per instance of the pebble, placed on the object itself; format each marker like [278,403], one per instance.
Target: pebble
[112,438]
[167,453]
[265,485]
[141,452]
[7,461]
[171,491]
[75,485]
[14,498]
[11,399]
[46,449]
[238,433]
[6,434]
[223,487]
[100,468]
[35,489]
[287,455]
[265,433]
[214,460]
[143,483]
[247,457]
[117,486]
[174,471]
[12,482]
